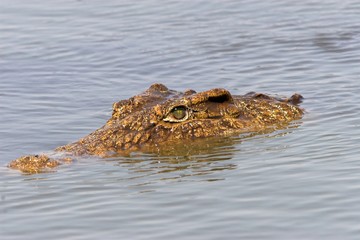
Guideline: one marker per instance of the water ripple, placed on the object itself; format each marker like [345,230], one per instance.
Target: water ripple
[63,63]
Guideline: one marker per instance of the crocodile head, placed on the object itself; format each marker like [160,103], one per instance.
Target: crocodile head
[161,117]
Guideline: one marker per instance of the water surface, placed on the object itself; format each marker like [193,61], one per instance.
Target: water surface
[63,63]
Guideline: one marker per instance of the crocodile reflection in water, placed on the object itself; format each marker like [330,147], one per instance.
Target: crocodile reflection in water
[159,117]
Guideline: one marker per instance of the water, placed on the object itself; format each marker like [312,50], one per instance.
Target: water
[63,63]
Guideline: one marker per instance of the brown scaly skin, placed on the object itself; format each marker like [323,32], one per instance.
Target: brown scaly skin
[159,117]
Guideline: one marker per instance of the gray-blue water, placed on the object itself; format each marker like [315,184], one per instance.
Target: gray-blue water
[64,62]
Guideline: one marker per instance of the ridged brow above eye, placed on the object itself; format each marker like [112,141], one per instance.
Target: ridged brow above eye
[177,114]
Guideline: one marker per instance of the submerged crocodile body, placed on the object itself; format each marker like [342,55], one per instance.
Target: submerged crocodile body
[160,117]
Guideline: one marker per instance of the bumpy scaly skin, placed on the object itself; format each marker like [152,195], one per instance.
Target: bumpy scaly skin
[148,120]
[33,163]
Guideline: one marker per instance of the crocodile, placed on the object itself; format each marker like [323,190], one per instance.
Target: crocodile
[160,117]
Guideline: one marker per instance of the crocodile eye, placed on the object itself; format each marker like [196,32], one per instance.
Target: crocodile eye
[177,114]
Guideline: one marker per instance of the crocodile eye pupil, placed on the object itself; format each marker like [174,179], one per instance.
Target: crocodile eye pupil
[179,112]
